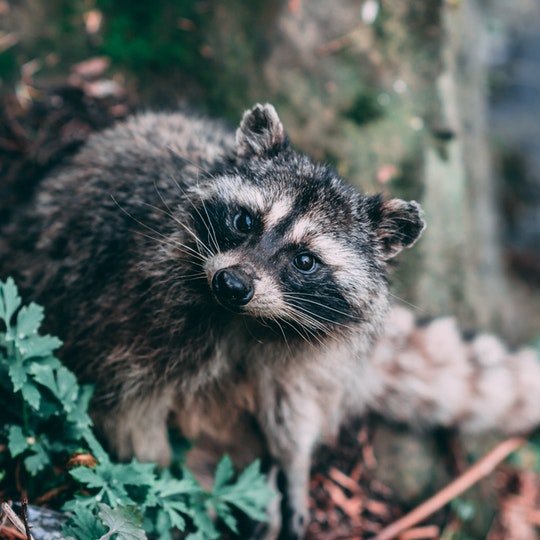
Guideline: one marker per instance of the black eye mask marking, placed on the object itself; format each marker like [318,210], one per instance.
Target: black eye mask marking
[316,295]
[226,225]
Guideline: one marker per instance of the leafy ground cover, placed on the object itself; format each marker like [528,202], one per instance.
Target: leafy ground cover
[48,444]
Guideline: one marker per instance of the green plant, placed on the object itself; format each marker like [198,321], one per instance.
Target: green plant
[145,35]
[45,421]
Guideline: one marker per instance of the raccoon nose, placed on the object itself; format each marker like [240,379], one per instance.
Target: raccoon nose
[232,288]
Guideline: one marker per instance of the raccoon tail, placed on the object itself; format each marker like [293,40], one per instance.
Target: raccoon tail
[430,375]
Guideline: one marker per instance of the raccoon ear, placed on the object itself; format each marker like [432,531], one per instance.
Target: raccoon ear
[398,224]
[260,132]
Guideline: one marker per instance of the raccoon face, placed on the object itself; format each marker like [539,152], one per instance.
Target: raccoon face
[288,241]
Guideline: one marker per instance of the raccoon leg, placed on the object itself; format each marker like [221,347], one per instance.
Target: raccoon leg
[431,375]
[138,429]
[272,528]
[292,425]
[274,508]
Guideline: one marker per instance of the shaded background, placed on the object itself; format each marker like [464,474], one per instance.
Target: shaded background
[433,100]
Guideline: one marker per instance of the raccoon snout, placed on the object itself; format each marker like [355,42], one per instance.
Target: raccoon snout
[232,287]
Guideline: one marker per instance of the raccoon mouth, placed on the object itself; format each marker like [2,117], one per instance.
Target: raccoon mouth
[232,288]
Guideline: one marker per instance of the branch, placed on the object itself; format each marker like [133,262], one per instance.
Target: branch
[476,472]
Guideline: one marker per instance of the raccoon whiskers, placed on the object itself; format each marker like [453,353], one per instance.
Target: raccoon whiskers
[174,245]
[212,232]
[418,308]
[214,236]
[194,277]
[209,227]
[297,330]
[275,320]
[308,318]
[165,240]
[310,335]
[302,296]
[198,241]
[306,323]
[319,318]
[188,229]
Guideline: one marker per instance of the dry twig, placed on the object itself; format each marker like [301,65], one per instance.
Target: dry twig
[479,470]
[421,533]
[24,509]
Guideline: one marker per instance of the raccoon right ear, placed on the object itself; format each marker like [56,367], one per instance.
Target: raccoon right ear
[260,132]
[397,224]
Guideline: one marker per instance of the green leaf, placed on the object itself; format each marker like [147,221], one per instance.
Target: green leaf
[174,511]
[9,300]
[134,473]
[224,512]
[112,478]
[172,487]
[31,395]
[206,528]
[43,374]
[78,414]
[29,320]
[224,473]
[63,385]
[95,447]
[38,346]
[197,536]
[83,524]
[16,372]
[89,477]
[67,388]
[121,521]
[38,460]
[250,493]
[17,442]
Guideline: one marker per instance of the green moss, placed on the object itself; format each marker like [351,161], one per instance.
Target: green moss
[8,66]
[365,109]
[148,35]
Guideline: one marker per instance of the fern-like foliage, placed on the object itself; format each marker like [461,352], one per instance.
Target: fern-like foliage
[45,421]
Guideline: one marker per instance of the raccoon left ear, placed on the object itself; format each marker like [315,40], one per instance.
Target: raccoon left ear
[260,132]
[398,224]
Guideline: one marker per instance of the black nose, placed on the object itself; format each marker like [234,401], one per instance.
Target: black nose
[232,287]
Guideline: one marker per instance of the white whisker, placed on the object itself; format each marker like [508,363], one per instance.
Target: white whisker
[164,239]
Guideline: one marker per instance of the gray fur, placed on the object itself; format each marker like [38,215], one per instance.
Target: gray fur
[108,246]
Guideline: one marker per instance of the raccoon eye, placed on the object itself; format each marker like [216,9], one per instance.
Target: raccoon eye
[243,221]
[306,263]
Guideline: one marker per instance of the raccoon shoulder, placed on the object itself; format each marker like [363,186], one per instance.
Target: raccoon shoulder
[154,136]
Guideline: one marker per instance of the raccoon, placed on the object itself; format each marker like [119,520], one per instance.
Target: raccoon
[219,276]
